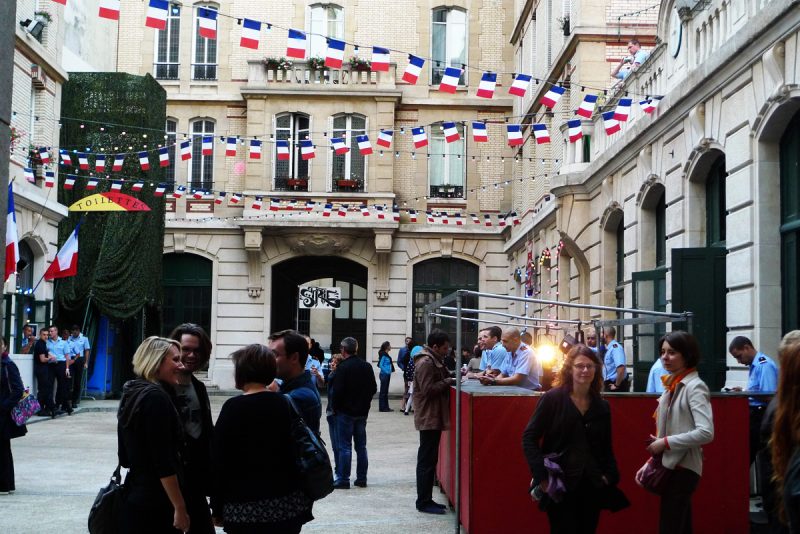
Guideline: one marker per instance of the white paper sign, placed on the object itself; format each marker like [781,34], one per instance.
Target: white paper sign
[327,298]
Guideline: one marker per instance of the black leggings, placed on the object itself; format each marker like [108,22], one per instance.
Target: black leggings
[676,503]
[577,513]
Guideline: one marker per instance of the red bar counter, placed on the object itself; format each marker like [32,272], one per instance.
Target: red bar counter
[495,475]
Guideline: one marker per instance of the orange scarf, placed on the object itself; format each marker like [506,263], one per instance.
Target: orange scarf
[671,381]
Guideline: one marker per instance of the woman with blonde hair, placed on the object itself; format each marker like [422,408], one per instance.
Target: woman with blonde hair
[786,432]
[149,439]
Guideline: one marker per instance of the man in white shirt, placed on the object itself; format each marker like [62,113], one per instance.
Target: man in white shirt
[520,368]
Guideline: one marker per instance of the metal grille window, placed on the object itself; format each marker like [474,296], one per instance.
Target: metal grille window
[325,19]
[291,127]
[446,165]
[202,167]
[205,54]
[167,46]
[448,42]
[170,138]
[349,170]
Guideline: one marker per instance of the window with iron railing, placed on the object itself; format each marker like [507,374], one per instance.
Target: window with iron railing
[348,170]
[170,140]
[448,42]
[167,60]
[202,166]
[204,66]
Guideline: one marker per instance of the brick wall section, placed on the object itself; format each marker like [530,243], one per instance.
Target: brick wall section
[404,166]
[387,24]
[492,171]
[131,25]
[493,39]
[272,43]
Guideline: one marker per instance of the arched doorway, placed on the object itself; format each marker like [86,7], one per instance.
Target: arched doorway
[187,291]
[790,224]
[328,327]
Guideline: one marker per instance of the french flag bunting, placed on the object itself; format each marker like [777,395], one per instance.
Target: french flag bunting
[419,136]
[338,145]
[49,179]
[610,123]
[623,109]
[257,203]
[282,147]
[307,149]
[429,217]
[220,197]
[292,205]
[335,54]
[396,214]
[207,22]
[163,157]
[501,221]
[109,9]
[198,194]
[385,138]
[520,85]
[648,105]
[586,109]
[310,205]
[207,146]
[552,96]
[474,218]
[487,85]
[119,161]
[541,134]
[69,182]
[411,75]
[342,211]
[28,172]
[160,189]
[137,186]
[450,132]
[157,14]
[444,218]
[91,184]
[255,149]
[116,185]
[412,215]
[236,198]
[66,159]
[364,210]
[326,212]
[459,220]
[450,80]
[186,150]
[83,161]
[100,163]
[251,32]
[479,132]
[380,59]
[364,146]
[296,46]
[379,212]
[575,131]
[44,155]
[178,193]
[144,161]
[66,261]
[230,147]
[274,204]
[514,133]
[487,220]
[514,218]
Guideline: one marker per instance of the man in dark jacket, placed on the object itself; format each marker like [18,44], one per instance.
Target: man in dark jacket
[351,399]
[431,414]
[291,353]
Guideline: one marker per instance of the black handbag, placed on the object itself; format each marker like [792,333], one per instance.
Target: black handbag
[104,515]
[316,474]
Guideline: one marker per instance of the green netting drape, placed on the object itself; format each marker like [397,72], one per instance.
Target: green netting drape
[119,259]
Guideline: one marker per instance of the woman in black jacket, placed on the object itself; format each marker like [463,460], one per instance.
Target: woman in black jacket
[149,442]
[11,390]
[44,367]
[571,429]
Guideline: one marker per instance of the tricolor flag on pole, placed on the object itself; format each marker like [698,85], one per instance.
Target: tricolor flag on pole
[335,54]
[412,215]
[255,149]
[487,85]
[256,204]
[119,160]
[116,185]
[91,184]
[610,123]
[12,240]
[137,186]
[207,146]
[623,109]
[450,132]
[186,150]
[157,14]
[83,161]
[419,136]
[220,197]
[385,138]
[207,22]
[411,75]
[100,163]
[66,261]
[251,32]
[66,159]
[575,131]
[479,132]
[44,155]
[338,145]
[364,146]
[487,220]
[144,161]
[514,133]
[230,147]
[586,109]
[236,198]
[380,59]
[306,149]
[520,85]
[29,175]
[450,79]
[109,9]
[69,182]
[541,134]
[49,179]
[327,211]
[160,189]
[648,105]
[296,46]
[552,96]
[282,147]
[163,157]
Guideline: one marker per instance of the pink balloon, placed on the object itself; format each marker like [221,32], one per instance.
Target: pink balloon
[238,168]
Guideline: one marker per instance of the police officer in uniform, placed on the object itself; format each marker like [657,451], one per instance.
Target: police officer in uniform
[614,375]
[763,379]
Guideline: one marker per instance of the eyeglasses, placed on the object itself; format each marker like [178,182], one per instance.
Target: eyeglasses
[583,367]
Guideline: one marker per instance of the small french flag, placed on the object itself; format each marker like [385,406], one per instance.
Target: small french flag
[157,14]
[610,123]
[100,163]
[474,218]
[380,59]
[385,138]
[109,9]
[28,172]
[144,161]
[220,197]
[251,32]
[479,132]
[364,210]
[198,194]
[327,211]
[459,220]
[648,105]
[419,136]
[541,134]
[411,75]
[520,85]
[283,150]
[342,211]
[501,220]
[514,134]
[444,217]
[208,146]
[364,146]
[450,132]
[178,193]
[296,46]
[396,214]
[257,203]
[163,157]
[515,218]
[119,161]
[137,186]
[230,147]
[49,178]
[116,185]
[575,131]
[160,189]
[338,145]
[91,184]
[69,182]
[236,198]
[310,205]
[623,109]
[207,22]
[450,80]
[586,109]
[274,204]
[255,149]
[487,85]
[66,159]
[429,217]
[552,96]
[44,155]
[186,150]
[379,212]
[335,54]
[412,216]
[83,161]
[306,149]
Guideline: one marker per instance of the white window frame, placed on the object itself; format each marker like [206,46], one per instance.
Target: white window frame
[196,39]
[294,145]
[313,41]
[170,140]
[171,20]
[463,82]
[197,152]
[437,134]
[350,141]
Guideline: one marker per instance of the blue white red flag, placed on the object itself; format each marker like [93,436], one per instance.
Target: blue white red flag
[419,136]
[109,9]
[91,184]
[179,191]
[207,147]
[449,82]
[29,175]
[207,22]
[339,146]
[296,46]
[326,212]
[575,131]
[479,132]
[650,104]
[44,155]
[159,190]
[412,215]
[610,123]
[255,149]
[144,161]
[552,96]
[137,186]
[487,220]
[119,161]
[380,59]
[623,109]
[257,203]
[236,198]
[163,157]
[586,109]
[186,150]
[342,211]
[451,134]
[251,33]
[220,197]
[306,149]
[116,185]
[49,178]
[69,182]
[230,147]
[282,147]
[487,85]
[157,14]
[274,204]
[385,138]
[364,146]
[83,161]
[335,54]
[541,134]
[66,159]
[364,210]
[413,70]
[100,163]
[520,85]
[66,261]
[514,134]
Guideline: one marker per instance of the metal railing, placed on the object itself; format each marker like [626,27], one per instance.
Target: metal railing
[447,191]
[166,71]
[204,71]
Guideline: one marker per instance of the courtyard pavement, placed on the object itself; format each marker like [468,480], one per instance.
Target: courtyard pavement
[61,464]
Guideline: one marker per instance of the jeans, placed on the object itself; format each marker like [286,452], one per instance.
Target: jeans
[334,438]
[427,458]
[351,431]
[383,397]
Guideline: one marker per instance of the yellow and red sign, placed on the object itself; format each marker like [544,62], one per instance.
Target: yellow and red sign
[109,201]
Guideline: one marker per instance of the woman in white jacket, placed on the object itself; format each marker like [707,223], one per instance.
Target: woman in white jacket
[684,423]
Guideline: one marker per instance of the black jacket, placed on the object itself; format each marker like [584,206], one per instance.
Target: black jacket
[197,452]
[355,387]
[11,390]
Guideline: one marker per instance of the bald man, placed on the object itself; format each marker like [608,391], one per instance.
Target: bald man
[520,368]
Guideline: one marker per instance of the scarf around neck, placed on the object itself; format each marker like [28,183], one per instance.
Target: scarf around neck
[671,381]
